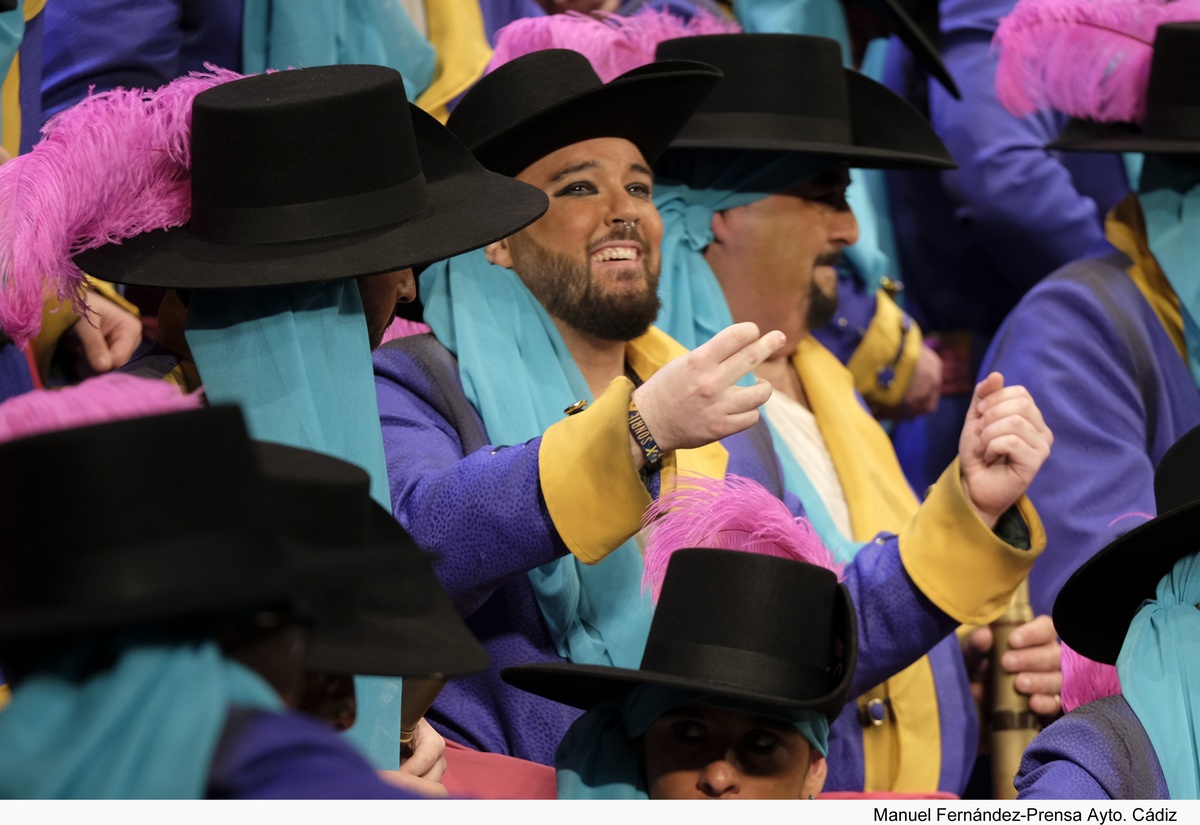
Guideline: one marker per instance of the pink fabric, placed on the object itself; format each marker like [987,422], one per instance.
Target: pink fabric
[1085,680]
[472,774]
[402,328]
[1086,59]
[732,513]
[885,795]
[613,44]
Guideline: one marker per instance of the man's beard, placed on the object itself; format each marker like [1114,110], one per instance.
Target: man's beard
[822,307]
[567,290]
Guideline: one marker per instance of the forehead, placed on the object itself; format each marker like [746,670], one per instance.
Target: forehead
[830,181]
[729,718]
[597,154]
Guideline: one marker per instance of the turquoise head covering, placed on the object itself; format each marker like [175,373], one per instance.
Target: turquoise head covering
[146,728]
[297,359]
[1169,194]
[518,373]
[279,35]
[599,757]
[1160,675]
[693,186]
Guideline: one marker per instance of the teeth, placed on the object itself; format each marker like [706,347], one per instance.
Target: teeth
[616,253]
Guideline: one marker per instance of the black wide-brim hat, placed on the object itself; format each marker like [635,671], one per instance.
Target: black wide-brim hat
[318,174]
[1097,603]
[1172,122]
[918,25]
[140,521]
[790,93]
[737,625]
[381,610]
[545,100]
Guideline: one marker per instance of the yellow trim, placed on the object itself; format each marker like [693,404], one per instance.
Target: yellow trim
[10,105]
[598,508]
[957,562]
[593,492]
[59,315]
[33,8]
[5,695]
[1126,230]
[457,33]
[878,349]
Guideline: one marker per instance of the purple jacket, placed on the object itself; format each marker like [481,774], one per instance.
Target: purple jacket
[477,508]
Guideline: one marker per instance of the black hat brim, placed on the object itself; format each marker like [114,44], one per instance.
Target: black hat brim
[646,106]
[888,132]
[424,636]
[1097,603]
[585,686]
[1090,136]
[468,207]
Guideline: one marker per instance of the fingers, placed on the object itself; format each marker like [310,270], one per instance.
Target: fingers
[1039,631]
[415,784]
[124,341]
[993,382]
[428,758]
[95,347]
[1044,704]
[745,399]
[1041,659]
[725,343]
[1012,401]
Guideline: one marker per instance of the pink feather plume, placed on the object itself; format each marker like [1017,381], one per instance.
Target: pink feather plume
[613,44]
[1086,58]
[113,166]
[99,400]
[1085,680]
[733,513]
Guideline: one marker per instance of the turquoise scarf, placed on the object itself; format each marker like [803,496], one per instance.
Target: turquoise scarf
[698,185]
[1160,675]
[819,18]
[1170,200]
[279,35]
[517,372]
[145,729]
[297,359]
[599,758]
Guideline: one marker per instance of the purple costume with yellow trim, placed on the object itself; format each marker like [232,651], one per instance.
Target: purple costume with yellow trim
[480,510]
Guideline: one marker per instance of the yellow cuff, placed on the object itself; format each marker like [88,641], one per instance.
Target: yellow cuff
[58,316]
[594,493]
[878,350]
[957,562]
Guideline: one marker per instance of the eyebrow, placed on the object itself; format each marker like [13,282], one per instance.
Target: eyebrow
[572,169]
[645,170]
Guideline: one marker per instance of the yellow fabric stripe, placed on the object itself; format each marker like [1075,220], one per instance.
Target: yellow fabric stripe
[456,32]
[5,695]
[957,562]
[597,508]
[1126,230]
[903,755]
[878,349]
[10,107]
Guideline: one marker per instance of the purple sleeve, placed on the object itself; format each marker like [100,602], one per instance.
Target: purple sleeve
[133,44]
[289,756]
[1019,200]
[480,514]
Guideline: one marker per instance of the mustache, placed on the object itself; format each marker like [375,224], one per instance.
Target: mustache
[626,232]
[834,259]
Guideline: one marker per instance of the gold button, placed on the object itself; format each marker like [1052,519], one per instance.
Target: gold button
[578,406]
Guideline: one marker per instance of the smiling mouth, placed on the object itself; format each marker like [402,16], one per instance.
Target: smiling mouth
[616,253]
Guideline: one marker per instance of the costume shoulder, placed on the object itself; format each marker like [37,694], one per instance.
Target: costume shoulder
[265,755]
[1097,751]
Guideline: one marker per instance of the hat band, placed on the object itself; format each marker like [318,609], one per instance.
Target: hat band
[1172,121]
[762,673]
[310,221]
[717,126]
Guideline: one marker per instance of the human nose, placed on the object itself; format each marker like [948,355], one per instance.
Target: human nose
[406,288]
[718,779]
[843,227]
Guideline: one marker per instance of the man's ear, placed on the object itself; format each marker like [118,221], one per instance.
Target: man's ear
[499,254]
[815,781]
[720,227]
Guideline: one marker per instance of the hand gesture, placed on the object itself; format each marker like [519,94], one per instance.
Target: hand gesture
[694,400]
[422,772]
[1034,655]
[1003,444]
[105,338]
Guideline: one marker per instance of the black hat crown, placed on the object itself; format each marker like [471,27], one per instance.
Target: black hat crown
[548,99]
[155,518]
[790,93]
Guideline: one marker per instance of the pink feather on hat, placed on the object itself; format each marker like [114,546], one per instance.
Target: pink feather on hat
[113,166]
[733,513]
[99,400]
[1085,680]
[1089,60]
[613,44]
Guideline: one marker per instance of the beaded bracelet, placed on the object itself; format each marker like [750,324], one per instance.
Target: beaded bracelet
[641,434]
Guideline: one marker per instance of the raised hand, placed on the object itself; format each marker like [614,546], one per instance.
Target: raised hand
[1003,444]
[694,400]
